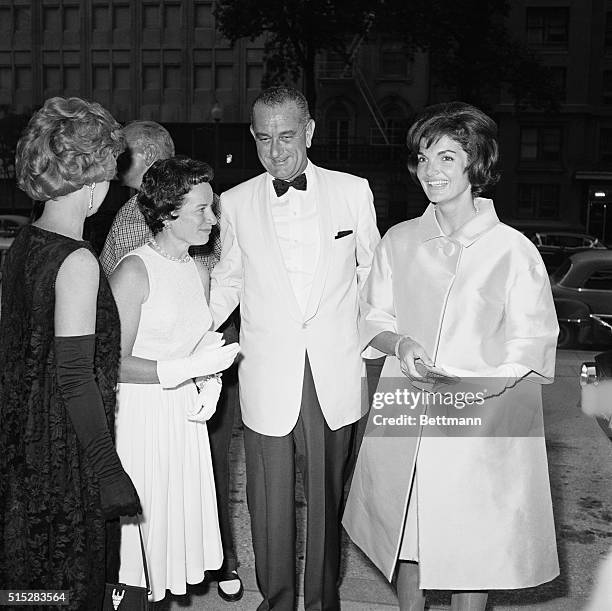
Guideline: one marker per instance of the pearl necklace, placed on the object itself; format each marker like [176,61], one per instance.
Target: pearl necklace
[184,259]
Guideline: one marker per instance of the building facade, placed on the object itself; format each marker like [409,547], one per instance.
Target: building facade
[164,60]
[558,165]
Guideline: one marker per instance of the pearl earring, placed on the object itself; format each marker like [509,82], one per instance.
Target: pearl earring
[92,186]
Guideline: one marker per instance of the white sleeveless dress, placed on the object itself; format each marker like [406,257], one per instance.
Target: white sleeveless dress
[166,455]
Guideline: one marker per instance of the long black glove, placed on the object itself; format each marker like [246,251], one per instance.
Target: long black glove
[81,395]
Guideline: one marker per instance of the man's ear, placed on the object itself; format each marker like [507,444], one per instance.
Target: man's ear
[309,132]
[150,154]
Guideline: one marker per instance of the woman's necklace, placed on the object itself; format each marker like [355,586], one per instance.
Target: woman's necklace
[184,259]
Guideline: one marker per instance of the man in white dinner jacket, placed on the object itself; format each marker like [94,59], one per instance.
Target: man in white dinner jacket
[297,243]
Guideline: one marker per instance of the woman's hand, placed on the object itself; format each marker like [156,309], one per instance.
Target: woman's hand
[410,352]
[417,365]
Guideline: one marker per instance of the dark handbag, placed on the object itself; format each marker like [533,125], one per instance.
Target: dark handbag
[122,597]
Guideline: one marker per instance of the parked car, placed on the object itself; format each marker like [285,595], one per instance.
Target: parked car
[556,246]
[582,290]
[10,224]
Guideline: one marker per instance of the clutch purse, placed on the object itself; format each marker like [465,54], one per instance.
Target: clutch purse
[209,390]
[123,597]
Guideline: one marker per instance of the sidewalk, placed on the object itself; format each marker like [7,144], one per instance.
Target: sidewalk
[580,464]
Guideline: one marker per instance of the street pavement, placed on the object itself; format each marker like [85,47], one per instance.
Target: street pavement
[580,464]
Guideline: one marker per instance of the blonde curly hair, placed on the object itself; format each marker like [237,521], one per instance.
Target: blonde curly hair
[68,143]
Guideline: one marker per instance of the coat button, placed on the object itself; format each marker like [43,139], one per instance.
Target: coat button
[449,248]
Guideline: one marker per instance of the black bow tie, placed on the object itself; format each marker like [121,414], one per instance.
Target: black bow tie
[282,186]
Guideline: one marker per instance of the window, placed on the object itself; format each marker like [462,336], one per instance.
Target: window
[112,79]
[600,280]
[121,77]
[110,16]
[61,73]
[605,144]
[23,78]
[51,19]
[541,143]
[172,77]
[606,87]
[151,78]
[203,15]
[558,76]
[441,90]
[337,127]
[101,77]
[561,271]
[121,17]
[5,21]
[162,72]
[254,76]
[23,19]
[548,26]
[396,124]
[608,33]
[202,71]
[394,61]
[224,77]
[71,19]
[172,16]
[100,18]
[561,241]
[254,69]
[72,80]
[6,78]
[51,78]
[61,25]
[538,201]
[202,77]
[165,15]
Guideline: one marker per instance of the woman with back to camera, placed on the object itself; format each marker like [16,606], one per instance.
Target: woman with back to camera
[457,293]
[60,477]
[162,438]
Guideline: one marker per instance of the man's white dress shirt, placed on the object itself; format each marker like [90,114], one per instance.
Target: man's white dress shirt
[296,222]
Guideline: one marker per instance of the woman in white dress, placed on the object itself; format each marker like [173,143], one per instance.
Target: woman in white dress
[162,440]
[457,293]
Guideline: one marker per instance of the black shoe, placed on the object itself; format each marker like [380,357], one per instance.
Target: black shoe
[225,576]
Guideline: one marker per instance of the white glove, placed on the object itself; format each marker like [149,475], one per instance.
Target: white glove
[206,360]
[209,389]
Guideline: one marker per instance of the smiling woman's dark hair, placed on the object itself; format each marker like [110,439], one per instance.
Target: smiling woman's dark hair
[164,185]
[471,128]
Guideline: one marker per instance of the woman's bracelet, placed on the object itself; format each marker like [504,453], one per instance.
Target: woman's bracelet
[397,345]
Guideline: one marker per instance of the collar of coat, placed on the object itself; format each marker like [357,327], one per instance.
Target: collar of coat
[469,232]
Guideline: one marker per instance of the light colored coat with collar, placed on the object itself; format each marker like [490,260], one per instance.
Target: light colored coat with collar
[275,334]
[479,302]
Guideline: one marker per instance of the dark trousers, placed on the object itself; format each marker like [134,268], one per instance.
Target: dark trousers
[220,435]
[320,455]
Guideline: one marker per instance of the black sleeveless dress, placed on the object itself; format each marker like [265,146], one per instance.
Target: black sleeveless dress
[52,532]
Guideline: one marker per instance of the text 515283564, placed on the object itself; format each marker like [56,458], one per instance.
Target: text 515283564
[34,597]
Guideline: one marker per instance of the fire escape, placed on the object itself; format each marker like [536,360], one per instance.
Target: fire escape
[349,70]
[395,196]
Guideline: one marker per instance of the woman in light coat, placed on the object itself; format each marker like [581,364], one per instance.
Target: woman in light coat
[457,293]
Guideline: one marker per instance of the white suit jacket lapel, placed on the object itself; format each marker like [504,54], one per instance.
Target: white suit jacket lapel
[323,196]
[278,271]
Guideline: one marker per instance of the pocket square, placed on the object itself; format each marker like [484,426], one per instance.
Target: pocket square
[342,234]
